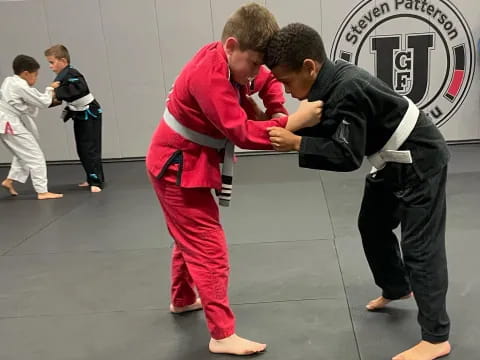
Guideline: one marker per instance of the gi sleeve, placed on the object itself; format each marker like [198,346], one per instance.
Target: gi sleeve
[35,98]
[72,88]
[345,149]
[219,102]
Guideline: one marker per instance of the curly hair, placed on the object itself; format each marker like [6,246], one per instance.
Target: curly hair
[292,45]
[252,25]
[23,63]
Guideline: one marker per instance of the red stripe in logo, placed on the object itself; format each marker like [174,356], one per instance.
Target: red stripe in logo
[456,83]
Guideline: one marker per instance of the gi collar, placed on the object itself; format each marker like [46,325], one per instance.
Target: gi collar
[324,82]
[61,75]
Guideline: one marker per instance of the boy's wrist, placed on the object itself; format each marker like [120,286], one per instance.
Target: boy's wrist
[292,123]
[298,143]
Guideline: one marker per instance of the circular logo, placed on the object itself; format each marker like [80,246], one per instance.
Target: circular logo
[423,50]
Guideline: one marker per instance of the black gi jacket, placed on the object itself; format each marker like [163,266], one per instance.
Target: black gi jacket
[73,86]
[359,116]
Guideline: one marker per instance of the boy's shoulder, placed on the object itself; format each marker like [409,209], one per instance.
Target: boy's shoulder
[350,78]
[359,79]
[74,71]
[15,81]
[7,80]
[351,74]
[69,74]
[210,59]
[336,80]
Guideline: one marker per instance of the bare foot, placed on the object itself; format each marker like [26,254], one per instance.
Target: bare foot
[381,302]
[49,195]
[425,350]
[197,305]
[235,345]
[8,184]
[95,189]
[83,184]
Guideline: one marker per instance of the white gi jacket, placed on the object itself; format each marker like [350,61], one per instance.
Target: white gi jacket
[19,105]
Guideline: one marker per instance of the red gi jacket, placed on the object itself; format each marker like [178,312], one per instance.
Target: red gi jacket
[204,99]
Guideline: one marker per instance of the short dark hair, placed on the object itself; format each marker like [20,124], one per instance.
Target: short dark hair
[58,51]
[252,25]
[292,45]
[23,63]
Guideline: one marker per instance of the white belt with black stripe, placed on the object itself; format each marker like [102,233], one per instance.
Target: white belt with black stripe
[225,194]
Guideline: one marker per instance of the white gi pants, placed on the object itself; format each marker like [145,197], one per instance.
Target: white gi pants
[28,159]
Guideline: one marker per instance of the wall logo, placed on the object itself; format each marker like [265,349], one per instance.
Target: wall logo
[423,50]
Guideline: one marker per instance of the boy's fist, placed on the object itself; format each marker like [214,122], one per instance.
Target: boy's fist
[311,112]
[284,140]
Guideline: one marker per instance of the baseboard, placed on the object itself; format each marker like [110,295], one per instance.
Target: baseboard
[239,154]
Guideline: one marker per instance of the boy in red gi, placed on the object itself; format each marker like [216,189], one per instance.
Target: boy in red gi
[208,110]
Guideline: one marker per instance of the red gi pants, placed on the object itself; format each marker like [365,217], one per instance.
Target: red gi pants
[200,254]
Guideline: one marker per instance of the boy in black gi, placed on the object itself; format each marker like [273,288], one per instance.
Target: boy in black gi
[85,111]
[361,117]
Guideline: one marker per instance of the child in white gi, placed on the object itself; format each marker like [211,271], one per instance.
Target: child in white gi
[19,104]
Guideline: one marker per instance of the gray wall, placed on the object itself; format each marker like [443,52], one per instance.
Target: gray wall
[132,50]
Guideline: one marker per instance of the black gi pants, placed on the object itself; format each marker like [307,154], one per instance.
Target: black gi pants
[397,195]
[88,138]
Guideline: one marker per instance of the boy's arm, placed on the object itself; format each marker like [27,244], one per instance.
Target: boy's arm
[219,102]
[55,102]
[343,151]
[272,93]
[72,88]
[35,98]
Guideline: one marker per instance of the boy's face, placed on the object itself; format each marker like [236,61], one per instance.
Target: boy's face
[29,77]
[244,65]
[297,82]
[57,65]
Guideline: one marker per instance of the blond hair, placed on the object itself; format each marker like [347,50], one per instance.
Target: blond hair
[252,25]
[58,51]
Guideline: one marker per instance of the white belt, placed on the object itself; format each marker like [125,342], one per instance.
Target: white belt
[225,194]
[193,135]
[9,109]
[390,152]
[82,103]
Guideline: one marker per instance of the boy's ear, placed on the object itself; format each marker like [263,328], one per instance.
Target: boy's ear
[230,45]
[311,66]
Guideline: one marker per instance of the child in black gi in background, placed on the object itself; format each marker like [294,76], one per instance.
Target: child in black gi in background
[85,111]
[361,117]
